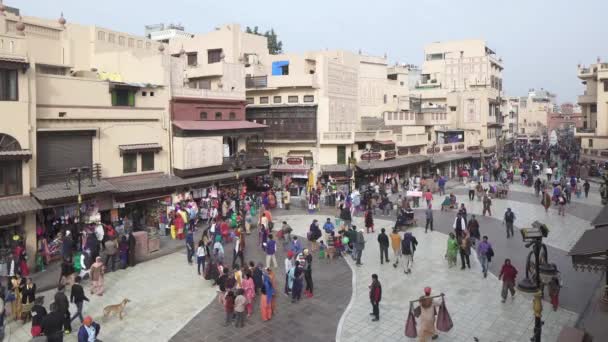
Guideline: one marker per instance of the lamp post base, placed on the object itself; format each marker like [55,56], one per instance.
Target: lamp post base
[527,285]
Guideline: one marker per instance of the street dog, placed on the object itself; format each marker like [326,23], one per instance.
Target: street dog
[116,308]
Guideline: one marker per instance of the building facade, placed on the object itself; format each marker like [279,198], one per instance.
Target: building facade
[594,107]
[534,110]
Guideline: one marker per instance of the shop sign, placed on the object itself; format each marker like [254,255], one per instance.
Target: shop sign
[371,156]
[118,204]
[402,151]
[415,150]
[473,148]
[390,154]
[460,147]
[277,160]
[294,161]
[447,148]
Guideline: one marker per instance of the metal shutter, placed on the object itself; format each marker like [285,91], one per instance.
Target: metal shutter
[59,151]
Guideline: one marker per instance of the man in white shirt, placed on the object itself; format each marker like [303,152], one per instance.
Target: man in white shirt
[549,173]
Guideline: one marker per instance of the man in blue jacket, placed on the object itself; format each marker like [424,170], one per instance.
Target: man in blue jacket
[89,330]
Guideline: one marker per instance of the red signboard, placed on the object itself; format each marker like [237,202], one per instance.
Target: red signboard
[371,156]
[390,154]
[294,161]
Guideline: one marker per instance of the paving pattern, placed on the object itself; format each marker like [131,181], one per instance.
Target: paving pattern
[310,320]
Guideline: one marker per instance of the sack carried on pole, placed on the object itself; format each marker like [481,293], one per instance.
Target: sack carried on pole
[444,321]
[410,324]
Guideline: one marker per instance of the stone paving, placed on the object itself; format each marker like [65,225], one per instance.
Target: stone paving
[164,293]
[310,320]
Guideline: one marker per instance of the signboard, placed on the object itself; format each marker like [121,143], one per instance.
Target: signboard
[371,156]
[390,154]
[414,194]
[553,138]
[447,148]
[473,148]
[402,151]
[294,161]
[414,150]
[460,147]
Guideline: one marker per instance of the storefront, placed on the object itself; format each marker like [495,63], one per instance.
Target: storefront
[390,171]
[17,225]
[293,174]
[449,164]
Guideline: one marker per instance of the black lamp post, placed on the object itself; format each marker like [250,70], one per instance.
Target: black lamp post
[433,158]
[78,174]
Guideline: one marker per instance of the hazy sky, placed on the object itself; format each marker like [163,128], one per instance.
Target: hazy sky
[541,41]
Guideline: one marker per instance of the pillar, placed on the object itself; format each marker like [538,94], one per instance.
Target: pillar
[29,227]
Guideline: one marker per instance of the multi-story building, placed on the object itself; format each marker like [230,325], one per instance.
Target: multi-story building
[594,107]
[510,112]
[534,110]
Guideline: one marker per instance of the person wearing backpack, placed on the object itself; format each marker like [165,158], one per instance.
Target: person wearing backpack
[508,221]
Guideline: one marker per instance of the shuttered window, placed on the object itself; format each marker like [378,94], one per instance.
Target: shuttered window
[60,151]
[123,97]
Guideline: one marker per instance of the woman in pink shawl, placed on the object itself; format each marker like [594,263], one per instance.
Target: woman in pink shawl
[97,270]
[249,287]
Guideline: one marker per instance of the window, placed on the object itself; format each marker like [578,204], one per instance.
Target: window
[593,108]
[249,100]
[309,98]
[292,99]
[434,56]
[605,86]
[263,99]
[10,178]
[280,68]
[232,116]
[218,115]
[121,40]
[385,98]
[131,42]
[123,97]
[101,35]
[111,38]
[202,116]
[276,99]
[401,83]
[147,161]
[192,59]
[151,93]
[452,108]
[129,163]
[50,70]
[590,143]
[214,56]
[8,85]
[143,93]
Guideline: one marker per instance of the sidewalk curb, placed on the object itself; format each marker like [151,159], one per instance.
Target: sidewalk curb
[350,303]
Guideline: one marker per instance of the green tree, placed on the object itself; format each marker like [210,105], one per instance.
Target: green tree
[275,46]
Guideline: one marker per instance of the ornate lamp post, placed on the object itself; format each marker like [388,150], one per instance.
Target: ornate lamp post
[78,175]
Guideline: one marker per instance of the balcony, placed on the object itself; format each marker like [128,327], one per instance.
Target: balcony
[584,132]
[208,94]
[337,138]
[586,72]
[405,140]
[246,160]
[363,136]
[422,84]
[12,47]
[432,117]
[587,99]
[285,81]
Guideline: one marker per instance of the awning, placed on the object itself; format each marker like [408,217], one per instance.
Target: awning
[444,158]
[378,165]
[14,62]
[592,241]
[218,125]
[16,155]
[601,219]
[337,168]
[287,168]
[385,142]
[134,148]
[133,85]
[18,205]
[59,191]
[494,124]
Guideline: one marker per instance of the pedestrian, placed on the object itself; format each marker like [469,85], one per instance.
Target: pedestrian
[248,287]
[375,295]
[132,243]
[428,309]
[97,275]
[396,245]
[201,252]
[52,324]
[305,259]
[266,300]
[459,226]
[296,246]
[296,275]
[487,204]
[472,186]
[473,230]
[67,272]
[465,251]
[111,249]
[508,273]
[546,200]
[508,221]
[360,246]
[408,247]
[554,287]
[288,266]
[240,303]
[238,276]
[218,249]
[271,247]
[429,218]
[369,220]
[38,314]
[189,247]
[123,252]
[586,187]
[452,250]
[228,307]
[314,233]
[63,306]
[485,253]
[549,173]
[258,276]
[428,196]
[345,216]
[28,296]
[77,297]
[383,242]
[561,205]
[239,249]
[89,330]
[328,226]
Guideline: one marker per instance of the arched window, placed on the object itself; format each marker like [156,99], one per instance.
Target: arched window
[10,168]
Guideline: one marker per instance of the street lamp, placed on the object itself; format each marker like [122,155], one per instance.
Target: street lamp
[433,157]
[480,153]
[78,174]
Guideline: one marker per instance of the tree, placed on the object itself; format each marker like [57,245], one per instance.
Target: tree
[275,46]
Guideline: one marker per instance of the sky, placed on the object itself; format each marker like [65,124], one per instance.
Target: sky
[541,42]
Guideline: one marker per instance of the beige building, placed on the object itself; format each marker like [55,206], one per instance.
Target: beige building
[534,110]
[510,112]
[594,107]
